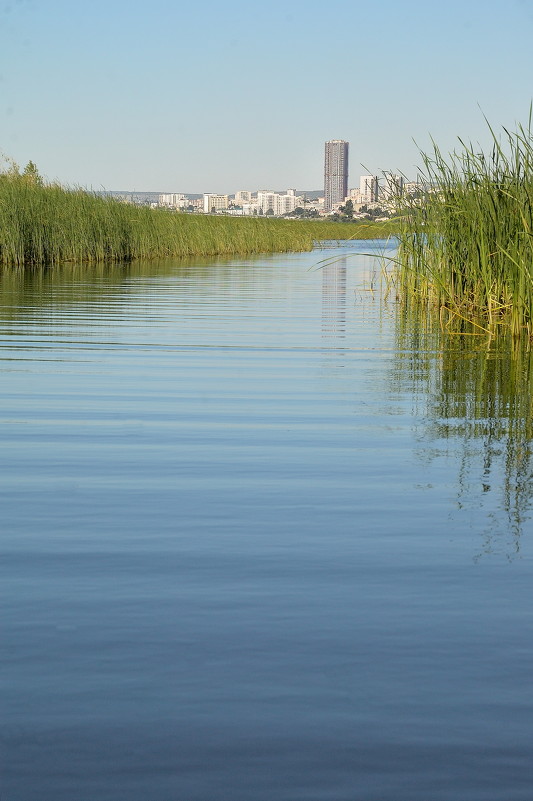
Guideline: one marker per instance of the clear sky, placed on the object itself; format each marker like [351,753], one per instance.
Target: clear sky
[221,95]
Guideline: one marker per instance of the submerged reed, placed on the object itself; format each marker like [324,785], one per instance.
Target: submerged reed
[48,224]
[466,244]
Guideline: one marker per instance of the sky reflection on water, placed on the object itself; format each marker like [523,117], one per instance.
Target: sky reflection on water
[264,536]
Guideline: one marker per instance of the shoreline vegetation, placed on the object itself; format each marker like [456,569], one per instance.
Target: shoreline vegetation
[47,224]
[466,242]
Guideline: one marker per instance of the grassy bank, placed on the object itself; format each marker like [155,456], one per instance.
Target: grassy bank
[467,245]
[42,224]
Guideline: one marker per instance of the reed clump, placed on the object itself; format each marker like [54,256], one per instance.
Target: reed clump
[47,224]
[466,242]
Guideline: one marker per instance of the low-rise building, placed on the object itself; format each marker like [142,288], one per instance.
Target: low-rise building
[215,203]
[250,209]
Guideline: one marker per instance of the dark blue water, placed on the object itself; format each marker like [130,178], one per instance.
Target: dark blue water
[256,544]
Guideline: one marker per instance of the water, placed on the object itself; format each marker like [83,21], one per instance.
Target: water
[264,538]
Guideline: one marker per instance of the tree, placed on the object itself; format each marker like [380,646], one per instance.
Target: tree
[348,209]
[31,174]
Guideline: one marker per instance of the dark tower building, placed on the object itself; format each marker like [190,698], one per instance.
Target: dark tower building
[335,173]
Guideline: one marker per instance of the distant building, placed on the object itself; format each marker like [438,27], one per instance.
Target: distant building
[277,203]
[288,202]
[173,200]
[393,186]
[249,209]
[266,201]
[368,189]
[215,202]
[243,196]
[335,173]
[412,188]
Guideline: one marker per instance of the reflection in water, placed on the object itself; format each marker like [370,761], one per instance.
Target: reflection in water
[473,396]
[334,298]
[220,576]
[21,291]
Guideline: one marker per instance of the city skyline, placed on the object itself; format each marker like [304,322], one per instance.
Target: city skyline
[373,197]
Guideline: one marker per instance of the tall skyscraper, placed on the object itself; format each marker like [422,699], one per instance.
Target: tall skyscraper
[335,173]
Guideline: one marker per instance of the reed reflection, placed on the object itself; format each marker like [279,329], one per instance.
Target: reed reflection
[473,396]
[27,293]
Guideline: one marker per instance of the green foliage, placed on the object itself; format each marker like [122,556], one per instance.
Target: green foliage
[299,211]
[48,224]
[467,244]
[347,210]
[31,174]
[8,167]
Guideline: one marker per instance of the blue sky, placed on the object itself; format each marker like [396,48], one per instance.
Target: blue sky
[217,96]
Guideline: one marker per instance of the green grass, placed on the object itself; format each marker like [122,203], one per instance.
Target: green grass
[48,224]
[467,245]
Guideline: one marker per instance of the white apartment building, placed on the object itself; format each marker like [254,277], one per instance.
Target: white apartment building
[173,200]
[368,189]
[277,203]
[242,196]
[266,201]
[215,203]
[286,204]
[393,186]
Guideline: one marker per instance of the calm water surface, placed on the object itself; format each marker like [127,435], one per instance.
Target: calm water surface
[264,538]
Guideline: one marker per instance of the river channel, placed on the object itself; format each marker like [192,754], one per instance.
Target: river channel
[265,537]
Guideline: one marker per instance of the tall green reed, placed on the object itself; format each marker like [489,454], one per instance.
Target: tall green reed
[467,244]
[48,224]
